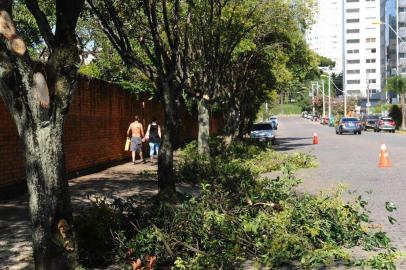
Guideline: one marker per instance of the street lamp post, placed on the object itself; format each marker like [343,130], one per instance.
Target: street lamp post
[329,95]
[324,104]
[397,39]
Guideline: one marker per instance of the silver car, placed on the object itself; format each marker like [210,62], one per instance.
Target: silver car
[263,132]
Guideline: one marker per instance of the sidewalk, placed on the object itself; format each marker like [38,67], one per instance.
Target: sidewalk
[119,181]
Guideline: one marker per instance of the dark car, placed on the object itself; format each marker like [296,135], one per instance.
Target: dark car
[385,123]
[349,125]
[369,121]
[263,132]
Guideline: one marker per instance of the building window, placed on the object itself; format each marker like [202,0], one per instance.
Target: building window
[352,41]
[352,51]
[354,92]
[353,81]
[373,91]
[371,40]
[353,71]
[371,70]
[352,1]
[372,60]
[352,10]
[372,81]
[352,31]
[353,61]
[352,20]
[373,50]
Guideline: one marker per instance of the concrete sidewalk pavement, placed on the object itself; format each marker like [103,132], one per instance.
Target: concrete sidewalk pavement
[119,181]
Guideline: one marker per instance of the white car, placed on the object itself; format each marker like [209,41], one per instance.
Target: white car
[274,121]
[263,132]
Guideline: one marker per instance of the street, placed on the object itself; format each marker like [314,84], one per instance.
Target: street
[353,161]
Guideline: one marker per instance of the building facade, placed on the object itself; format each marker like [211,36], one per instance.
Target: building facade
[395,20]
[325,36]
[363,48]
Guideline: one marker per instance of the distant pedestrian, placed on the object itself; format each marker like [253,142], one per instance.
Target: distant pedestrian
[153,136]
[137,133]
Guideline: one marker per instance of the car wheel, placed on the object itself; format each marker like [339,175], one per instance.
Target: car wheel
[359,133]
[355,133]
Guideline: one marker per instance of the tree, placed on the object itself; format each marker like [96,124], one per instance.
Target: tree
[152,37]
[38,95]
[217,29]
[276,58]
[397,84]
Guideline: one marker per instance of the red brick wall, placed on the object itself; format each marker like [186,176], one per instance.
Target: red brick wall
[95,129]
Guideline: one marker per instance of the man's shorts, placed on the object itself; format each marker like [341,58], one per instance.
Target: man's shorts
[136,144]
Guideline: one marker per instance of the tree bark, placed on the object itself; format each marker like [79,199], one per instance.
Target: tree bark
[204,128]
[402,104]
[166,181]
[49,202]
[38,96]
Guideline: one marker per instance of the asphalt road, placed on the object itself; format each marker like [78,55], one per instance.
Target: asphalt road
[353,161]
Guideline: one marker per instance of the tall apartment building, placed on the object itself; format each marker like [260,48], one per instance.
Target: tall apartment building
[395,48]
[363,47]
[325,36]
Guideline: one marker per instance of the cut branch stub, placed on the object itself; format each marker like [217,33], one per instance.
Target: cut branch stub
[8,30]
[41,89]
[17,46]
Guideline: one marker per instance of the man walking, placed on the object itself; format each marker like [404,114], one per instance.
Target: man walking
[137,133]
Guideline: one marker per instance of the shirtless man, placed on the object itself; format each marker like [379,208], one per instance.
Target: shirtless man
[137,133]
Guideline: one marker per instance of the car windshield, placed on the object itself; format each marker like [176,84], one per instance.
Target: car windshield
[349,119]
[387,119]
[257,127]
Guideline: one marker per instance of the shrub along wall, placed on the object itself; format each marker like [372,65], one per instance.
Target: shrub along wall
[95,131]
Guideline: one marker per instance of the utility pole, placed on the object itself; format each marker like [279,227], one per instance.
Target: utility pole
[329,95]
[314,110]
[368,103]
[324,104]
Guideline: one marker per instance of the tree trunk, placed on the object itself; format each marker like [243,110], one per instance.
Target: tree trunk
[166,181]
[204,128]
[51,214]
[402,104]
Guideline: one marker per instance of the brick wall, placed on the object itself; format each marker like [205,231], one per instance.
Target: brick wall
[95,130]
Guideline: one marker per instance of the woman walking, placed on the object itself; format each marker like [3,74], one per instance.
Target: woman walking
[154,138]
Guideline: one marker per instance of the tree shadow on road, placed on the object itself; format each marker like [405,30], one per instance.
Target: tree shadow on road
[292,143]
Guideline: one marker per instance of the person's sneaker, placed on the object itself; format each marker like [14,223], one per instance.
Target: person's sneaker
[144,161]
[133,162]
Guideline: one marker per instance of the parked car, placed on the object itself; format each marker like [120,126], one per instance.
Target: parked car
[369,121]
[274,120]
[386,124]
[263,132]
[349,125]
[309,116]
[304,114]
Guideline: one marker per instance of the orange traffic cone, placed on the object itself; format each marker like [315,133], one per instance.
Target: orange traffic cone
[384,161]
[315,138]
